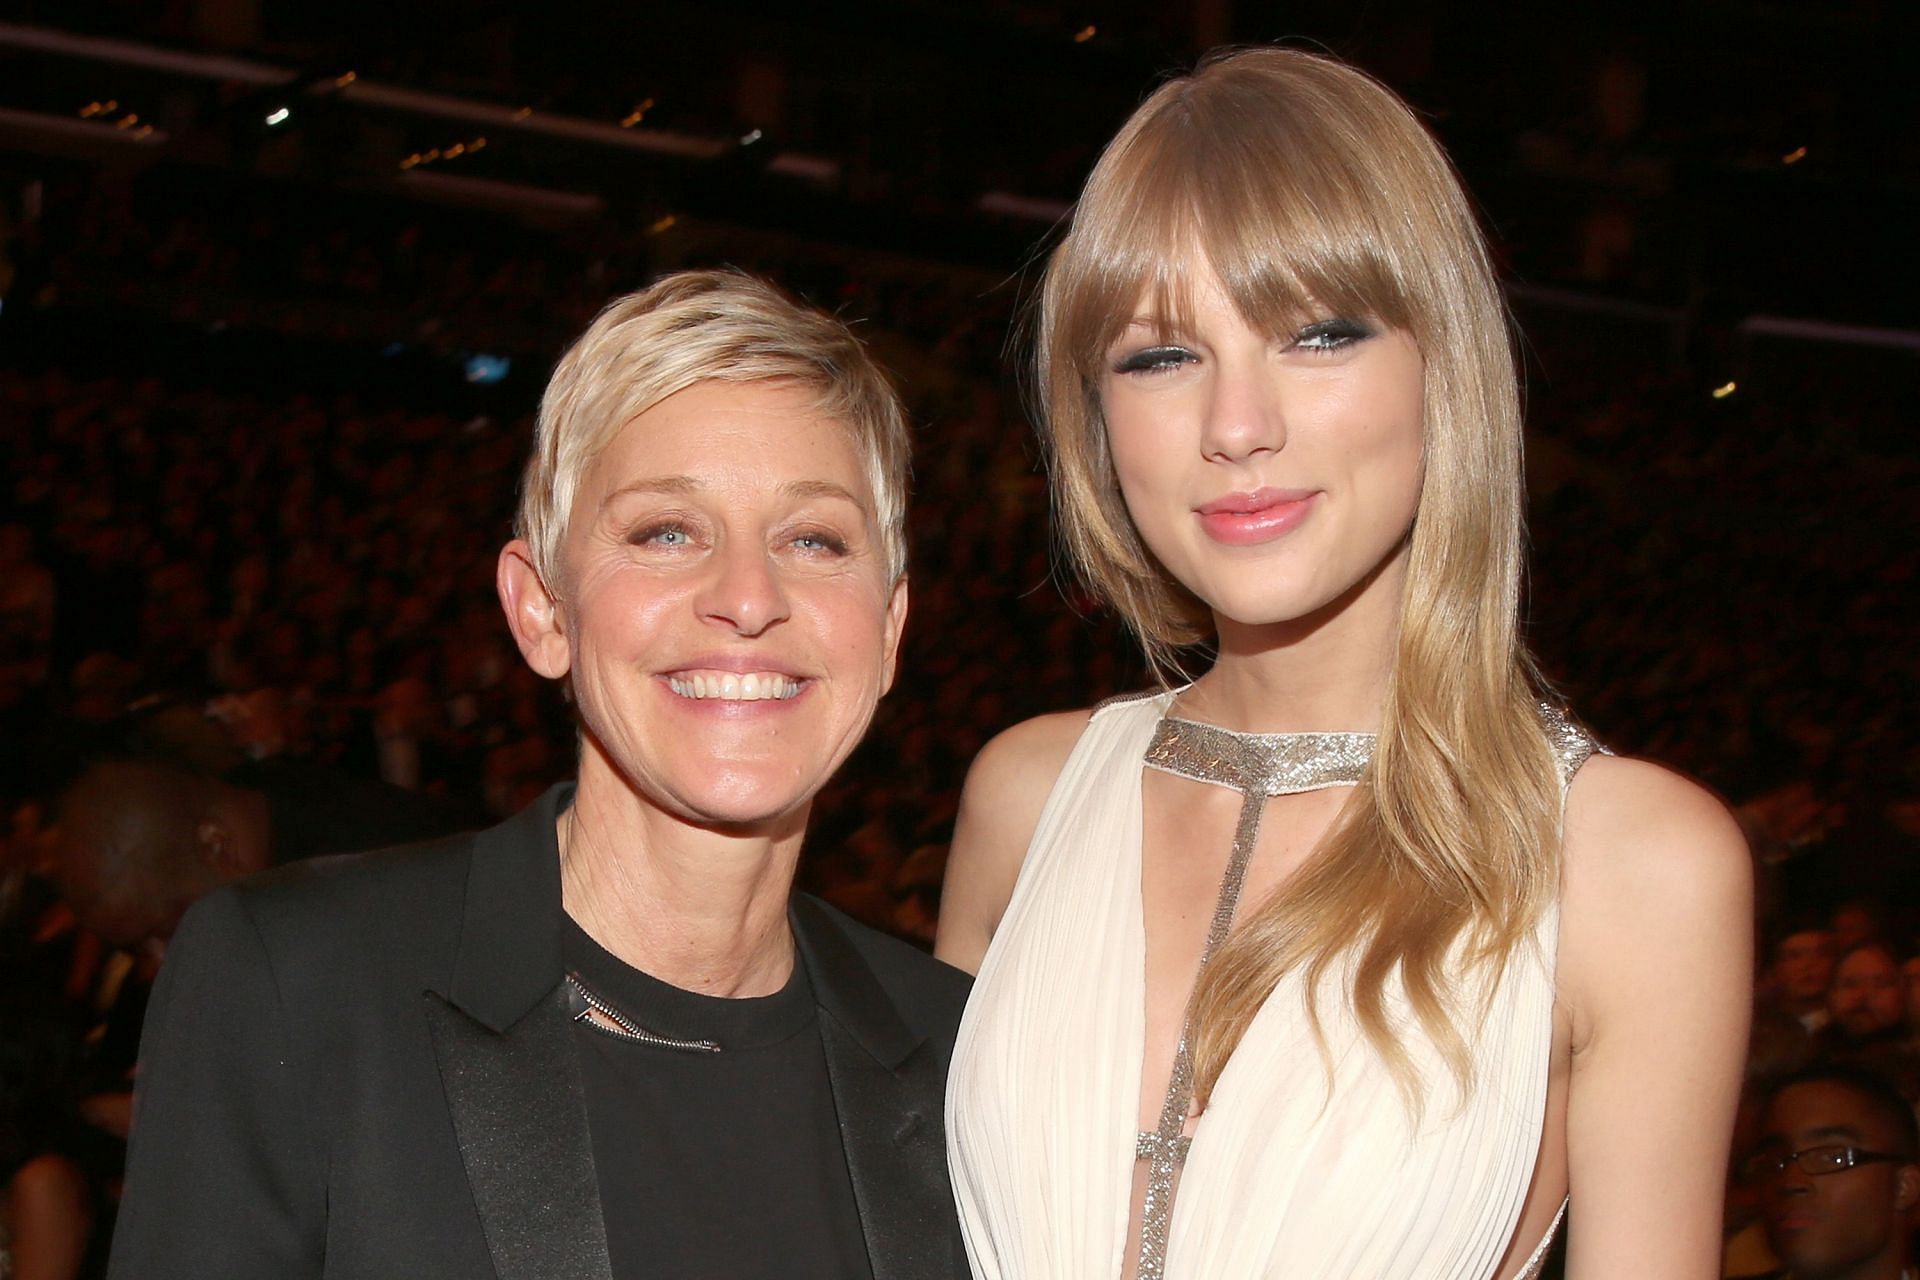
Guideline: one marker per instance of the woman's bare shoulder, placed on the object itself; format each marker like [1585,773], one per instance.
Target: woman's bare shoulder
[1000,806]
[1639,821]
[1656,874]
[1024,761]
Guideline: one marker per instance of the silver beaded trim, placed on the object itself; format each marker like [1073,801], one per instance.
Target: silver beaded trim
[1572,745]
[1268,764]
[1537,1260]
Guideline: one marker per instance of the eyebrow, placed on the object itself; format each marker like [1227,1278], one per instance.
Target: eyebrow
[687,484]
[659,484]
[821,489]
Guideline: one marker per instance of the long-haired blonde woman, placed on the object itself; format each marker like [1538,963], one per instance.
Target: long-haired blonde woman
[1350,959]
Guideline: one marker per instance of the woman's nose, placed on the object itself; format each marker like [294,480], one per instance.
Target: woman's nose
[743,591]
[1244,415]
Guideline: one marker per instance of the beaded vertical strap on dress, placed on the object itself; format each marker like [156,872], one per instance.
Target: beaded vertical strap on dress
[1258,765]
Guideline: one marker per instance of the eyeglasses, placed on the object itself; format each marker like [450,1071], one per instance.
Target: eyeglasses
[1815,1162]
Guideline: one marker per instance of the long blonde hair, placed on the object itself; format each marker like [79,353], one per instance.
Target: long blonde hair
[1306,186]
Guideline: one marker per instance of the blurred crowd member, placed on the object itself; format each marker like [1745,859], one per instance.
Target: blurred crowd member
[1867,1010]
[1800,973]
[1837,1173]
[1855,924]
[1867,1003]
[141,839]
[48,1205]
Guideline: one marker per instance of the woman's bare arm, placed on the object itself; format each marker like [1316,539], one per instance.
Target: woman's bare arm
[1656,960]
[1007,787]
[49,1215]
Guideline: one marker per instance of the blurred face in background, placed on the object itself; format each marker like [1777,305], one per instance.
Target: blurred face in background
[1869,992]
[1803,966]
[1845,1223]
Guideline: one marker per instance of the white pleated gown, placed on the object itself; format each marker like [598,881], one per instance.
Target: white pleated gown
[1291,1174]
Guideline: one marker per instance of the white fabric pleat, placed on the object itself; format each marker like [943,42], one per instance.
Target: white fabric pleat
[1286,1177]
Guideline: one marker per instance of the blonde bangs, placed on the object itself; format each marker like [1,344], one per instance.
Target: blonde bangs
[1204,185]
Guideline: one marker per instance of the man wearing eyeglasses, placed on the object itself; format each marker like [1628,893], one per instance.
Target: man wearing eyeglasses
[1838,1175]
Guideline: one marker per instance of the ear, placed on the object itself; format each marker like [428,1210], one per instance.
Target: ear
[896,626]
[533,611]
[219,850]
[1906,1187]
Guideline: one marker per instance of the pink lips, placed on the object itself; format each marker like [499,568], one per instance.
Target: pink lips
[1248,519]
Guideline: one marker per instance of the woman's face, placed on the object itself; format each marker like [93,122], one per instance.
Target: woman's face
[1269,477]
[725,610]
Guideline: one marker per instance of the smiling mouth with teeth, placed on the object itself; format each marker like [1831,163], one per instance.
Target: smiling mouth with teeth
[753,686]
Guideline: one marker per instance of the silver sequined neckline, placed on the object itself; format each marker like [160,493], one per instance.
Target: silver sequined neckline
[1267,764]
[1258,765]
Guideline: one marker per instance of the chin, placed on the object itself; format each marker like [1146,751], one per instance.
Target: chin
[1265,605]
[734,801]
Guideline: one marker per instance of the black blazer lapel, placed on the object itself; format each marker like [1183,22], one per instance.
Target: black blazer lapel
[520,1117]
[889,1089]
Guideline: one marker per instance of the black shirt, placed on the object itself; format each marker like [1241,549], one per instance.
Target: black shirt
[714,1166]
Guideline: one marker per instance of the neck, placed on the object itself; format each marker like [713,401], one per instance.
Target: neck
[701,908]
[1323,673]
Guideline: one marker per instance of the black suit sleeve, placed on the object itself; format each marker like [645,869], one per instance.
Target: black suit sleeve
[224,1178]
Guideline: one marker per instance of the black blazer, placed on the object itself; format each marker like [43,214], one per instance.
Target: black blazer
[362,1067]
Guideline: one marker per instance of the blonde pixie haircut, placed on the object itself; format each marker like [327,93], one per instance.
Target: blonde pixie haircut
[1311,191]
[707,326]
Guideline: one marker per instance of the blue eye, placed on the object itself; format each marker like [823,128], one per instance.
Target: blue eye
[1153,360]
[1331,335]
[660,535]
[820,543]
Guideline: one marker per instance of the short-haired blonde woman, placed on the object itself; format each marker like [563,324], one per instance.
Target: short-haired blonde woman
[1350,959]
[603,1039]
